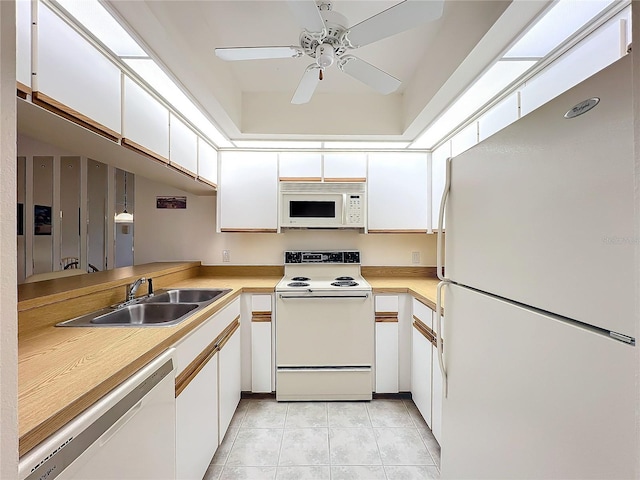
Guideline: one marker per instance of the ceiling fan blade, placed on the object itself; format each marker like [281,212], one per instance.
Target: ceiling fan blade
[307,85]
[402,16]
[257,53]
[369,75]
[307,15]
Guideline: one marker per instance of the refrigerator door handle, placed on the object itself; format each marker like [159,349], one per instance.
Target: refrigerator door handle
[443,202]
[438,325]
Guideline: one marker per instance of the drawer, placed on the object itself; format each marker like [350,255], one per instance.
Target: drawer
[190,347]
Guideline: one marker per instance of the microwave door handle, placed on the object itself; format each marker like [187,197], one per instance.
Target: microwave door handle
[344,209]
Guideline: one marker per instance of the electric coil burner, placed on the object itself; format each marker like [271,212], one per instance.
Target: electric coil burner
[345,283]
[324,328]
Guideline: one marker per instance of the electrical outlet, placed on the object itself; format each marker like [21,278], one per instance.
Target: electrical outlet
[415,258]
[226,256]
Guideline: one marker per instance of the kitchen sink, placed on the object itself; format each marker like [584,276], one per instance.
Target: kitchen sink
[146,313]
[165,308]
[186,295]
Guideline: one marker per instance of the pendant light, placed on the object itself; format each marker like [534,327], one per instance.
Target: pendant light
[124,217]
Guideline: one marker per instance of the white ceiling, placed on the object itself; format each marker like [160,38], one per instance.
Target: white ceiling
[251,99]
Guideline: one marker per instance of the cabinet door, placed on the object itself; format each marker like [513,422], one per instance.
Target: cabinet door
[23,42]
[74,76]
[421,373]
[387,356]
[437,392]
[301,167]
[397,192]
[145,121]
[438,180]
[207,162]
[197,423]
[249,191]
[345,166]
[183,146]
[261,322]
[229,382]
[261,356]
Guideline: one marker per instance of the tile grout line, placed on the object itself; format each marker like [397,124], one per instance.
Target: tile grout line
[376,440]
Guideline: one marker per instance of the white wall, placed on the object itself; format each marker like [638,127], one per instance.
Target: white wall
[166,235]
[8,253]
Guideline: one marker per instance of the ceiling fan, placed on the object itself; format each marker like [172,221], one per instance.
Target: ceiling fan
[326,38]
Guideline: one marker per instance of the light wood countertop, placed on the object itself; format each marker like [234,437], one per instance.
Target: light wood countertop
[62,371]
[424,289]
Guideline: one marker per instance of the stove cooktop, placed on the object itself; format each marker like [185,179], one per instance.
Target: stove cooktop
[322,271]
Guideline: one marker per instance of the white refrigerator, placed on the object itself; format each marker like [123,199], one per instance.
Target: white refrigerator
[540,320]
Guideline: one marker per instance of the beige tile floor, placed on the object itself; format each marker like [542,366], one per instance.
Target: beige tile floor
[381,439]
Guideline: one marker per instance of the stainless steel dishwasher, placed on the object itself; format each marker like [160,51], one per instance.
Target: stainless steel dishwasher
[129,433]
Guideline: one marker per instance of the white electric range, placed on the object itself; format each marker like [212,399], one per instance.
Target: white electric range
[324,328]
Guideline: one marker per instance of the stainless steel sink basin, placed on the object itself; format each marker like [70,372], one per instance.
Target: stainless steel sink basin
[146,313]
[186,295]
[165,308]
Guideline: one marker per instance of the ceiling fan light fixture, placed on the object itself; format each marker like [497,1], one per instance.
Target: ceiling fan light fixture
[325,55]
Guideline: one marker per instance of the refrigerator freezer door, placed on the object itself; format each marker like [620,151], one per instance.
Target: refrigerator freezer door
[542,212]
[531,396]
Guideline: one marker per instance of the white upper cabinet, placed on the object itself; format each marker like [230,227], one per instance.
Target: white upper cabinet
[438,180]
[345,166]
[300,166]
[248,191]
[207,162]
[74,76]
[145,120]
[183,146]
[398,192]
[23,42]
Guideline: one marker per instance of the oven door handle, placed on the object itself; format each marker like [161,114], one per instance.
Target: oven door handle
[284,297]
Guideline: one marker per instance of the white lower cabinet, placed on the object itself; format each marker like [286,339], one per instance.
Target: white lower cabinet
[197,423]
[427,386]
[229,384]
[438,391]
[207,389]
[421,373]
[386,347]
[261,343]
[387,357]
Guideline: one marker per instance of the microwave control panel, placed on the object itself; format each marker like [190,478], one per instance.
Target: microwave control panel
[354,209]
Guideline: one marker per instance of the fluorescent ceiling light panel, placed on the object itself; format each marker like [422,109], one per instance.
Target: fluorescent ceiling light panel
[277,144]
[564,19]
[103,26]
[366,145]
[494,80]
[151,73]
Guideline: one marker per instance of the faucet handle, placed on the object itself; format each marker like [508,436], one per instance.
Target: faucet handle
[150,286]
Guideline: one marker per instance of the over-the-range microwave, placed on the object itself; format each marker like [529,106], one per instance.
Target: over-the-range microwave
[323,205]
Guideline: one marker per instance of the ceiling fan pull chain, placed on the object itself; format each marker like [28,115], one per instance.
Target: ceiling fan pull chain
[321,75]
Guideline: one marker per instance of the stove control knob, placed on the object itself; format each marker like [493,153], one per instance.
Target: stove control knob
[351,257]
[293,257]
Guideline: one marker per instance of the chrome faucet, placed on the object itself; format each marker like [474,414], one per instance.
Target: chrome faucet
[133,288]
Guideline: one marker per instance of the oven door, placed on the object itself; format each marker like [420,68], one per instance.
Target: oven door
[324,346]
[324,329]
[312,210]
